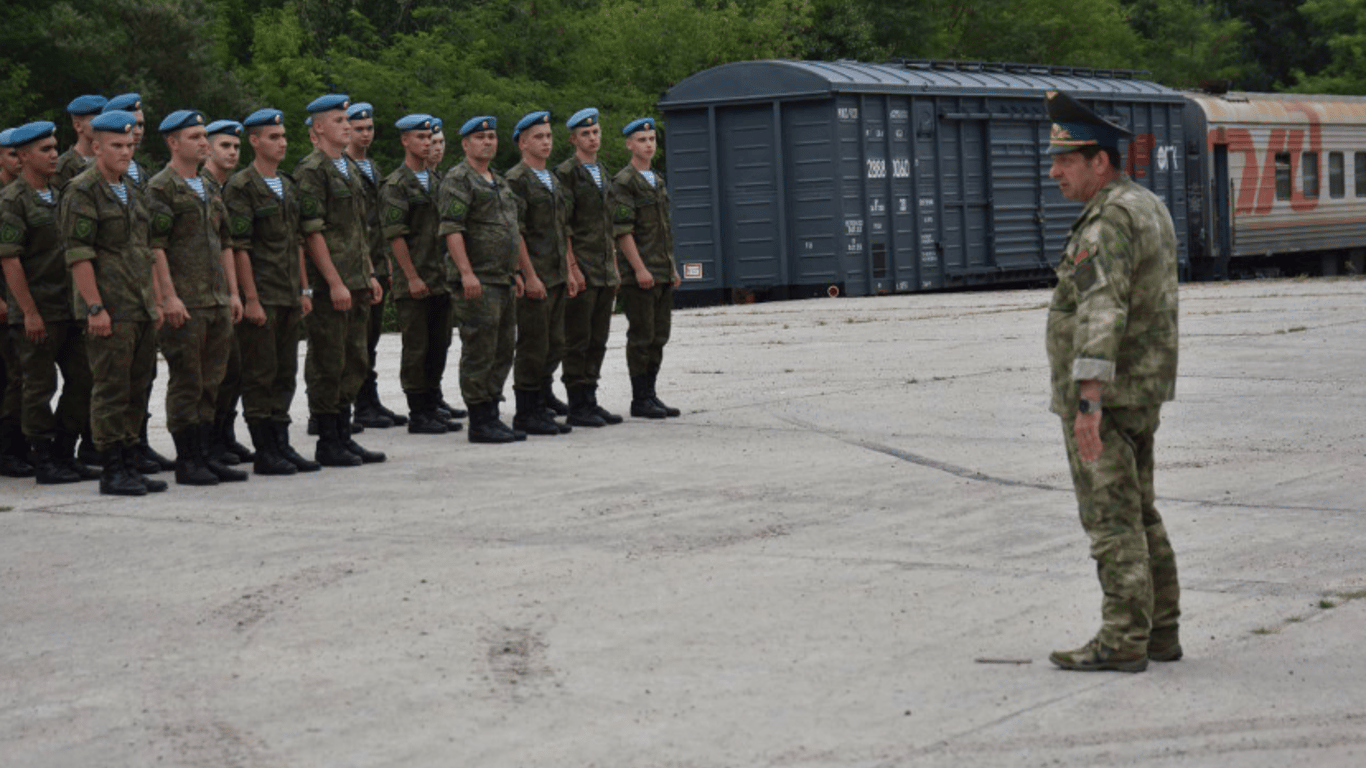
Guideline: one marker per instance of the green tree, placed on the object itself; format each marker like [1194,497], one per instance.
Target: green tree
[1185,42]
[1345,69]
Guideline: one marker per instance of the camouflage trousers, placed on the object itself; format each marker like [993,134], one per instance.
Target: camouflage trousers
[425,326]
[337,359]
[587,326]
[488,331]
[374,327]
[649,314]
[64,350]
[230,389]
[270,364]
[121,368]
[1134,559]
[196,358]
[540,339]
[11,380]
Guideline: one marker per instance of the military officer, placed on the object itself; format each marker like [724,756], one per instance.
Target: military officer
[82,110]
[337,241]
[588,313]
[43,330]
[263,210]
[480,230]
[105,225]
[542,211]
[14,448]
[645,238]
[198,295]
[1112,348]
[138,173]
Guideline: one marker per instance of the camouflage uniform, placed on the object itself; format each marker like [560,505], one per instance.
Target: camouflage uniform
[542,216]
[588,316]
[113,237]
[1114,319]
[337,360]
[193,232]
[409,211]
[230,388]
[70,165]
[12,447]
[29,234]
[379,260]
[267,228]
[643,211]
[486,215]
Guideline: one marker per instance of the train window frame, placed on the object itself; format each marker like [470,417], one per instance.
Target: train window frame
[1337,176]
[1309,175]
[1359,171]
[1283,179]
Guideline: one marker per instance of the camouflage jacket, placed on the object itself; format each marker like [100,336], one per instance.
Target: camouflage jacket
[334,205]
[267,228]
[144,174]
[113,237]
[379,245]
[70,165]
[193,232]
[409,211]
[1113,316]
[541,215]
[643,211]
[29,232]
[486,213]
[590,222]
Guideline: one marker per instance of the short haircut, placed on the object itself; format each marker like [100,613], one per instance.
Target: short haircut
[1111,154]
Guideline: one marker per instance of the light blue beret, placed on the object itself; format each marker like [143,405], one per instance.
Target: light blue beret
[329,102]
[181,118]
[436,124]
[265,116]
[583,118]
[361,110]
[117,121]
[225,127]
[86,105]
[481,123]
[414,122]
[128,102]
[534,118]
[639,124]
[28,132]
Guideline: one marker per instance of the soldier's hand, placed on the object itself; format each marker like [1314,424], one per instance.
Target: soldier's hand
[472,288]
[644,279]
[176,314]
[376,292]
[417,287]
[577,283]
[1086,430]
[254,313]
[305,308]
[535,289]
[235,307]
[100,325]
[341,297]
[518,286]
[677,281]
[34,328]
[4,311]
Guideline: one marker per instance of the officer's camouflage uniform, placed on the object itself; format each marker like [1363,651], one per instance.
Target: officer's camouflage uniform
[643,211]
[1113,318]
[337,359]
[542,214]
[29,233]
[69,165]
[588,316]
[193,232]
[486,215]
[379,260]
[409,211]
[267,228]
[113,237]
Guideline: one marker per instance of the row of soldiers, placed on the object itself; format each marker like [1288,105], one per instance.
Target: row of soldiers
[220,268]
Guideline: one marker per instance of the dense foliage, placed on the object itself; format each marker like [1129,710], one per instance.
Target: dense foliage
[458,58]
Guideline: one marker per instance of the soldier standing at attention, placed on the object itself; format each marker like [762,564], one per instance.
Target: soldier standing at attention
[645,238]
[263,211]
[337,242]
[435,155]
[132,103]
[14,448]
[82,110]
[479,227]
[1112,338]
[588,315]
[44,332]
[104,223]
[198,295]
[437,152]
[542,210]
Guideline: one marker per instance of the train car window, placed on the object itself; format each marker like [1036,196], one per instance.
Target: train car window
[1282,175]
[1337,185]
[1309,164]
[1359,172]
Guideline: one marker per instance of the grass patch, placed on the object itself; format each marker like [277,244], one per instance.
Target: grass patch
[1325,604]
[1265,631]
[1357,595]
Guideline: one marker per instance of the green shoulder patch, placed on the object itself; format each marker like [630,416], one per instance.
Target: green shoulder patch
[240,224]
[309,205]
[162,222]
[457,208]
[84,227]
[393,214]
[9,233]
[624,213]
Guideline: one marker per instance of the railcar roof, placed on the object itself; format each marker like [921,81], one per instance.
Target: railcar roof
[1275,108]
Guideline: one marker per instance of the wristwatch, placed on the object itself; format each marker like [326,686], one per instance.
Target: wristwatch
[95,309]
[307,293]
[1088,406]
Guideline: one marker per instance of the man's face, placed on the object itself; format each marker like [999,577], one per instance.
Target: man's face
[270,143]
[417,143]
[437,152]
[362,133]
[189,145]
[587,140]
[139,129]
[113,151]
[82,126]
[332,127]
[642,145]
[536,142]
[480,145]
[10,161]
[224,151]
[40,156]
[1078,178]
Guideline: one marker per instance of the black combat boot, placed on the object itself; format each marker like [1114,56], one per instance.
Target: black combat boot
[530,418]
[330,451]
[366,456]
[286,450]
[14,452]
[88,453]
[422,418]
[47,467]
[670,412]
[189,466]
[268,460]
[224,472]
[397,419]
[581,410]
[550,414]
[216,448]
[116,479]
[451,411]
[132,457]
[642,405]
[147,456]
[368,413]
[64,450]
[549,400]
[227,435]
[485,427]
[603,413]
[517,434]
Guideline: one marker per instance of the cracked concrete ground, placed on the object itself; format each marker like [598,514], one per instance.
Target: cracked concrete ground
[864,498]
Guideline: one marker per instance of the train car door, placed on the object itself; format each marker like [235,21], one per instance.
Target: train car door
[963,174]
[1223,221]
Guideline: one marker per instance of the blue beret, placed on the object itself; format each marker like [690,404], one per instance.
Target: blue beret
[181,118]
[436,124]
[308,121]
[361,110]
[128,102]
[5,141]
[583,118]
[1076,127]
[28,132]
[639,124]
[329,102]
[414,122]
[86,105]
[225,127]
[264,117]
[481,123]
[117,121]
[535,118]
